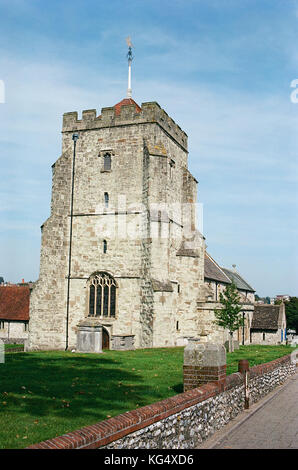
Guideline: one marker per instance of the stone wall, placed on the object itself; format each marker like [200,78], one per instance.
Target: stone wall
[218,334]
[271,337]
[182,421]
[14,331]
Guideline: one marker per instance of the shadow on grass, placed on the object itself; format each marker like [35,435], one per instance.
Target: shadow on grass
[178,388]
[45,394]
[72,386]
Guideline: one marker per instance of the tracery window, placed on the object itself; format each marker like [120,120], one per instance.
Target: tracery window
[102,295]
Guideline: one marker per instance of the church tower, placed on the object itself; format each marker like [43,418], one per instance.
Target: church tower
[120,252]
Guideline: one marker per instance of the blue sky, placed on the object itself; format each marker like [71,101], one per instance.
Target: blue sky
[221,69]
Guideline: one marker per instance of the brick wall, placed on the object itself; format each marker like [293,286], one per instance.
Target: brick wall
[196,375]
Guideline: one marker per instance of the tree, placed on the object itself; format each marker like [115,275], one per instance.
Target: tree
[228,315]
[292,313]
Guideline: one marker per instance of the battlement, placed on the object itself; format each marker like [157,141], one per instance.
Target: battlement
[128,114]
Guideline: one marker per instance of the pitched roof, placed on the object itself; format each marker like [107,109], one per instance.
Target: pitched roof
[266,317]
[126,102]
[238,280]
[213,271]
[14,302]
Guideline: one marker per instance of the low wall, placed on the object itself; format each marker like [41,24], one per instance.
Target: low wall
[12,340]
[179,422]
[15,349]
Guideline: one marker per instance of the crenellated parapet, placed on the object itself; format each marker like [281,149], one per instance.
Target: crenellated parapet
[150,112]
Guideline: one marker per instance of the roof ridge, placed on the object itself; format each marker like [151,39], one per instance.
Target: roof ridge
[213,260]
[236,273]
[212,275]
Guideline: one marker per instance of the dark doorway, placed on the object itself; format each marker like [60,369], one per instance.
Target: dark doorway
[105,339]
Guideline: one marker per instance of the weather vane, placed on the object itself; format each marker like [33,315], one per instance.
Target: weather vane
[129,58]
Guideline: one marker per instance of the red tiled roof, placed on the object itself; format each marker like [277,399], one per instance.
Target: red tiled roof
[126,102]
[14,303]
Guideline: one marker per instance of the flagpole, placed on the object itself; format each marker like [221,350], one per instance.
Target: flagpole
[129,58]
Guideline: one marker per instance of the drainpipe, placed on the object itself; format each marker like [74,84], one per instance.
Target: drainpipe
[74,138]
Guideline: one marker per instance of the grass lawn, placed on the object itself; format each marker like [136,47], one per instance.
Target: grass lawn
[46,394]
[256,355]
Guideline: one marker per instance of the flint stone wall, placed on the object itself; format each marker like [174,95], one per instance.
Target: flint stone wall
[187,429]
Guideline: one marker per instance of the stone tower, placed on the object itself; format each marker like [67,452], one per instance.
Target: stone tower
[137,260]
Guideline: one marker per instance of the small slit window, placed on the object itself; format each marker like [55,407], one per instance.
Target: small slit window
[106,198]
[159,223]
[107,162]
[105,246]
[172,166]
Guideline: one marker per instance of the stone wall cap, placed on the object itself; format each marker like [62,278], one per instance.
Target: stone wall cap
[204,354]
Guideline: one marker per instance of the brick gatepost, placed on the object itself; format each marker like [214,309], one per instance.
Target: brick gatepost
[203,363]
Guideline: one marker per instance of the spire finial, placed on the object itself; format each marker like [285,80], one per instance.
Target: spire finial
[129,58]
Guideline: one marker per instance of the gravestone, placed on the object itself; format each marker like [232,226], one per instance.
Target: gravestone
[89,337]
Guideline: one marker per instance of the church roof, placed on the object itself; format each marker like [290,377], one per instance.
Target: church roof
[238,280]
[126,102]
[14,303]
[266,317]
[213,272]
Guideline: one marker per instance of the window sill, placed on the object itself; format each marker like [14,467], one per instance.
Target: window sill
[98,318]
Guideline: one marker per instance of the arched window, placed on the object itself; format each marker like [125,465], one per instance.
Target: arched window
[105,246]
[172,166]
[106,196]
[102,295]
[107,161]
